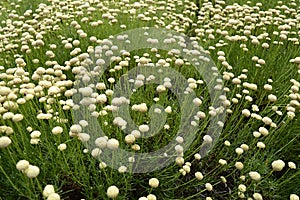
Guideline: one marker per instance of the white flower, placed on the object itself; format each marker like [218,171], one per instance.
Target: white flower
[179,161]
[143,198]
[199,176]
[239,150]
[62,147]
[96,152]
[8,115]
[272,98]
[197,101]
[53,90]
[267,120]
[17,117]
[140,107]
[4,91]
[242,188]
[254,176]
[227,143]
[222,162]
[101,142]
[197,156]
[239,165]
[112,192]
[102,165]
[4,142]
[32,171]
[246,112]
[208,186]
[278,165]
[257,196]
[44,116]
[294,197]
[151,197]
[144,128]
[101,98]
[101,86]
[119,122]
[76,128]
[268,87]
[136,147]
[179,139]
[53,196]
[245,147]
[122,169]
[34,141]
[129,139]
[179,62]
[86,91]
[112,144]
[256,134]
[22,165]
[168,109]
[49,189]
[35,134]
[178,149]
[207,139]
[161,88]
[153,182]
[263,131]
[57,130]
[261,145]
[84,137]
[292,165]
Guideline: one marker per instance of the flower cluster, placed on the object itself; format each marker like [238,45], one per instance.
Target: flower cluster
[61,58]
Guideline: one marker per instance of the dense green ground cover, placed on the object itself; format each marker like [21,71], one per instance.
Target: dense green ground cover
[255,47]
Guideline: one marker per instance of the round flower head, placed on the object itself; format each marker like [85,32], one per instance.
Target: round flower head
[129,139]
[292,165]
[278,165]
[153,182]
[112,144]
[151,197]
[179,161]
[261,145]
[101,142]
[57,130]
[144,128]
[222,162]
[17,117]
[102,165]
[263,131]
[122,169]
[22,165]
[208,186]
[294,197]
[254,176]
[62,147]
[4,142]
[32,171]
[143,198]
[242,188]
[197,156]
[49,189]
[199,176]
[112,192]
[53,196]
[257,196]
[239,165]
[239,151]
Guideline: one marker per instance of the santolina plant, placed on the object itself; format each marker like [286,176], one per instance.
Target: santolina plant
[149,99]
